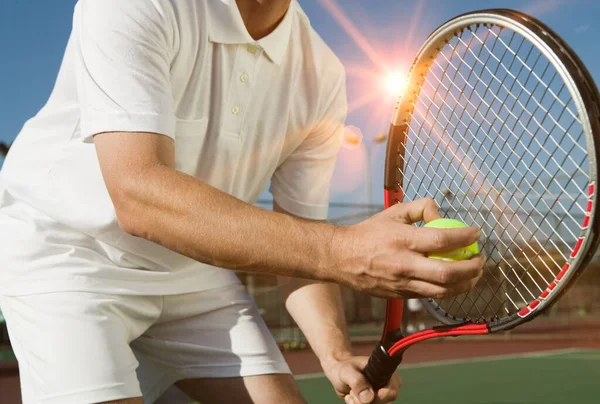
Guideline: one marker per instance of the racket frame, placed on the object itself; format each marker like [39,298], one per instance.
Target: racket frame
[387,355]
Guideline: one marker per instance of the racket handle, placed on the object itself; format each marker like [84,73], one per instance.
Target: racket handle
[381,367]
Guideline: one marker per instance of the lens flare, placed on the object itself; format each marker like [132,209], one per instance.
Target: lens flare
[394,83]
[352,137]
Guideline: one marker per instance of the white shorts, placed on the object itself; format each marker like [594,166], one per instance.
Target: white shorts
[81,347]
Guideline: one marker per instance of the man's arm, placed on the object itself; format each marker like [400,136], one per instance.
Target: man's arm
[382,256]
[318,310]
[180,212]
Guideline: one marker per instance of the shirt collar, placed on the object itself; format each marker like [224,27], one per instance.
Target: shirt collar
[225,25]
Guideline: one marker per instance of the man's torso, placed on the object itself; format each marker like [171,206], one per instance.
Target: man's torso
[240,106]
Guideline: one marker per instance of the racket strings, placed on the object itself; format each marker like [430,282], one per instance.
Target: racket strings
[538,287]
[495,140]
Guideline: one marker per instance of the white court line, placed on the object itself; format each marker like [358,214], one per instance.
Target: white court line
[526,355]
[581,356]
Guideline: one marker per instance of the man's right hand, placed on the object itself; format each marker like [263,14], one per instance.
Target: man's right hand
[386,255]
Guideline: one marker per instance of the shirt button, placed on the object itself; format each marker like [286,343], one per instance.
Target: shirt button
[244,78]
[251,49]
[235,110]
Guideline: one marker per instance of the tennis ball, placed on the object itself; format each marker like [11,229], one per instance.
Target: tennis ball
[459,253]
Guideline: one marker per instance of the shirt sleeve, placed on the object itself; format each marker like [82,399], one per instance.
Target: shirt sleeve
[124,52]
[301,184]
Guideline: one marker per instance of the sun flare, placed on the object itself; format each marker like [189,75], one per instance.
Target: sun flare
[394,83]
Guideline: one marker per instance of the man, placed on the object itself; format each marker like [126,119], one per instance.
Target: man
[126,201]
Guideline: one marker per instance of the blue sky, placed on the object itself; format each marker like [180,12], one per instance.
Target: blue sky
[33,35]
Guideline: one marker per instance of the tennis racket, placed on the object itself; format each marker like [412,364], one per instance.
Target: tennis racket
[499,124]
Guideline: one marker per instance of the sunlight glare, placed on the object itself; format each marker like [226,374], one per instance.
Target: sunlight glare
[394,83]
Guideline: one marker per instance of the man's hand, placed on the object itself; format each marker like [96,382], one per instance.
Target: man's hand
[385,255]
[351,385]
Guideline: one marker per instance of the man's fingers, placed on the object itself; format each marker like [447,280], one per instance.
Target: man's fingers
[386,395]
[428,240]
[420,289]
[442,272]
[411,212]
[389,393]
[360,388]
[349,399]
[435,289]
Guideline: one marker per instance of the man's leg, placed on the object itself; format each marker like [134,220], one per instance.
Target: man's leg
[214,346]
[74,347]
[263,389]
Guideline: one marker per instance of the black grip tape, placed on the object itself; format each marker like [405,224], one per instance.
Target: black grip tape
[381,367]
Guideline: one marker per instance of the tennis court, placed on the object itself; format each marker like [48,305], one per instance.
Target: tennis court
[544,363]
[560,376]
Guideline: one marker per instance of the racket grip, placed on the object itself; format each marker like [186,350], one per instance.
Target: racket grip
[381,367]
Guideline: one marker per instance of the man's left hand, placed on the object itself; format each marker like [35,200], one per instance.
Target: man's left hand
[351,385]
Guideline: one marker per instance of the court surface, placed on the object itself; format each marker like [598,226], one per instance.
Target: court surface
[560,376]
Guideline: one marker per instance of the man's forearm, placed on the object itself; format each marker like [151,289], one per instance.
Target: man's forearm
[183,214]
[317,309]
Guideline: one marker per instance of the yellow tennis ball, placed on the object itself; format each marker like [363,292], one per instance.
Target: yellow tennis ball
[459,253]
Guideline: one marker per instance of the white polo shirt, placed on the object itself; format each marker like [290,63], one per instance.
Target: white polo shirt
[241,112]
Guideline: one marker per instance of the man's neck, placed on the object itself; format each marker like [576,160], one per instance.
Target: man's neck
[261,17]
